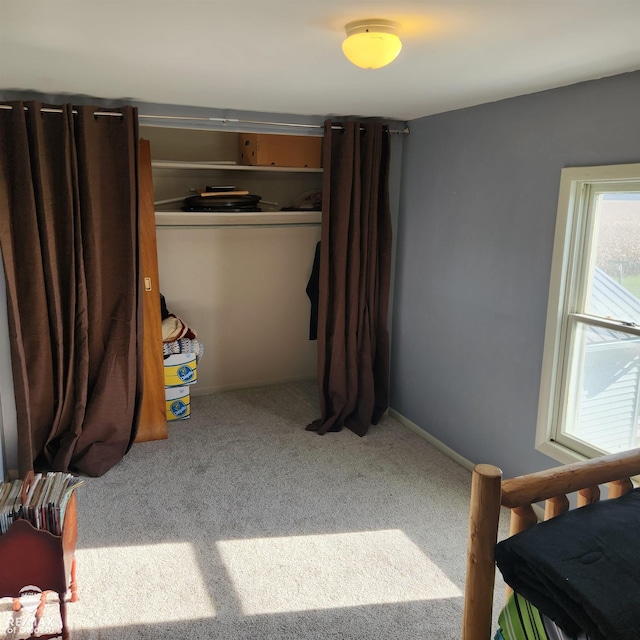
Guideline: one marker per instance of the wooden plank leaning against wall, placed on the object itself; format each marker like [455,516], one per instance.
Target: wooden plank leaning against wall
[153,421]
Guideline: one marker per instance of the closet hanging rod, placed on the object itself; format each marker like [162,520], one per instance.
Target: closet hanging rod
[223,121]
[269,123]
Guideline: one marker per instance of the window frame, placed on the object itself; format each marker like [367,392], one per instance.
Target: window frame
[569,270]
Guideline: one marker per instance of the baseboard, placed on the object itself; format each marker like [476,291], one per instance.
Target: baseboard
[440,446]
[198,390]
[448,451]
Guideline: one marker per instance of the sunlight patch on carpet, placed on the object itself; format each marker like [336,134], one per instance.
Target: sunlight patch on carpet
[305,573]
[126,574]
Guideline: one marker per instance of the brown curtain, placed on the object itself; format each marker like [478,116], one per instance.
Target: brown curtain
[355,265]
[69,241]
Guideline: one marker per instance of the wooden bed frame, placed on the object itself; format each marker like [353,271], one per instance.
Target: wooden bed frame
[489,492]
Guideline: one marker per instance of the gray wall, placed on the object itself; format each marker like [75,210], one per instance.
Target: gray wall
[477,218]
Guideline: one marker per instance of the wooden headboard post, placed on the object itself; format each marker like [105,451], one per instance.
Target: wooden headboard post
[484,515]
[552,486]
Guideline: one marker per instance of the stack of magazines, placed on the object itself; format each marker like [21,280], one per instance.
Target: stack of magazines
[45,500]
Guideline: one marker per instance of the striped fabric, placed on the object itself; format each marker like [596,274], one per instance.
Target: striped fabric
[520,620]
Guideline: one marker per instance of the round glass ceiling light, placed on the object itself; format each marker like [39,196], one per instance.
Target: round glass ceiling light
[372,43]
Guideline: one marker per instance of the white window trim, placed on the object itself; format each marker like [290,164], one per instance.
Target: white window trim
[563,267]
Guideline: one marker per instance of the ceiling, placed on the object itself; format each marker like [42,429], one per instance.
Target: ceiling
[284,56]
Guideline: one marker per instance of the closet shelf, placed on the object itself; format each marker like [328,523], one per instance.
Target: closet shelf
[176,164]
[223,219]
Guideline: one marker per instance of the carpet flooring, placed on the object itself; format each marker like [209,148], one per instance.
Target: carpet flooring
[242,525]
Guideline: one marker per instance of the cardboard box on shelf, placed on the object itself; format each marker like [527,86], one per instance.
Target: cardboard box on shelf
[180,369]
[178,401]
[268,149]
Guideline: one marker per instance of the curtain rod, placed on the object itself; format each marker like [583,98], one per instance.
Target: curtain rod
[225,121]
[54,110]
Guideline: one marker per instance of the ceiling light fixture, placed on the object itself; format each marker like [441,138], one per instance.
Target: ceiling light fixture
[372,43]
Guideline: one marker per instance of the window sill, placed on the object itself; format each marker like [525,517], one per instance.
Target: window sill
[559,452]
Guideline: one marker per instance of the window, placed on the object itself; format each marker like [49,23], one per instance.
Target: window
[590,387]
